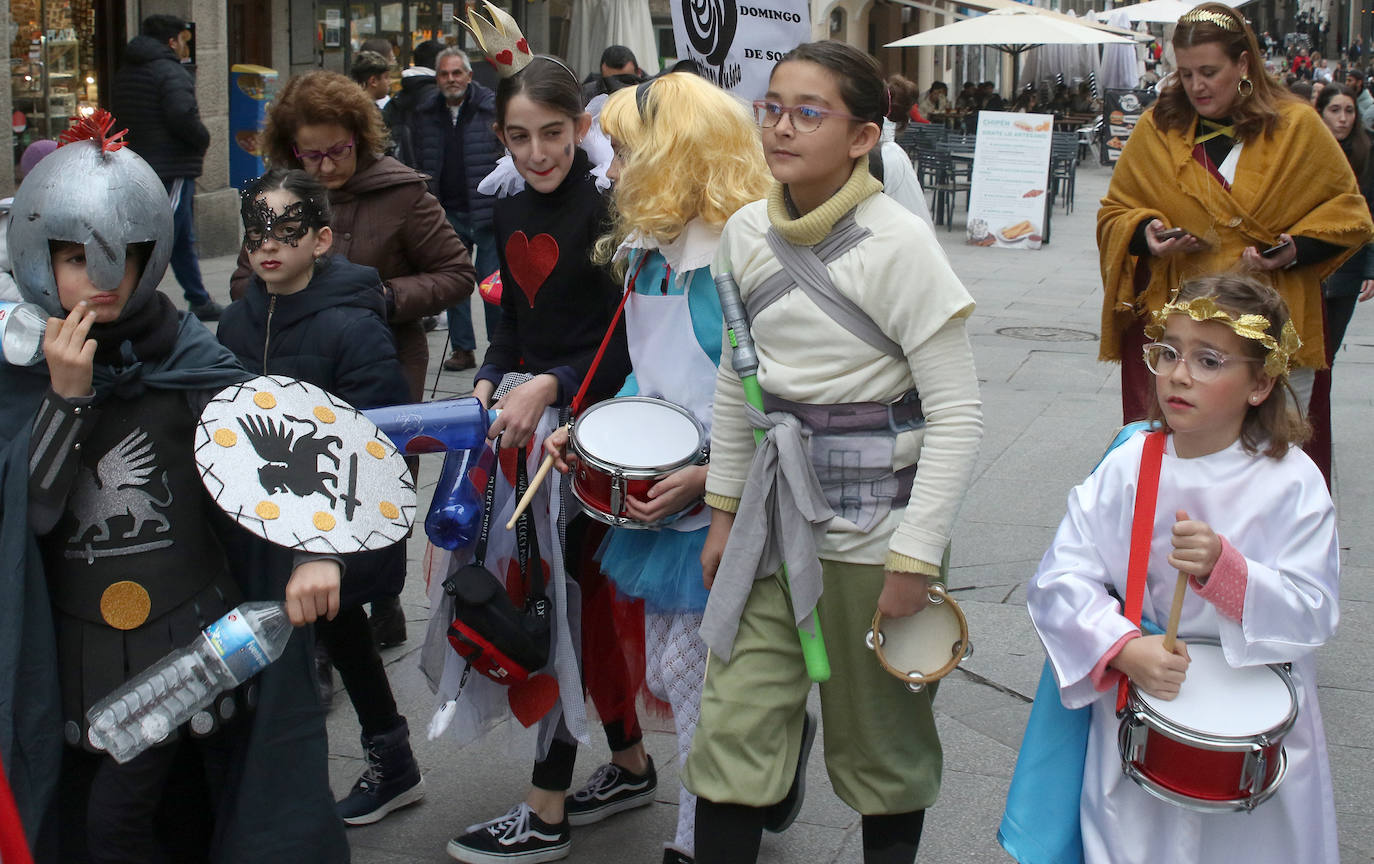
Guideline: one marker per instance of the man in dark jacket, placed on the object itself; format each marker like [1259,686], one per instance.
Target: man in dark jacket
[452,141]
[155,96]
[417,83]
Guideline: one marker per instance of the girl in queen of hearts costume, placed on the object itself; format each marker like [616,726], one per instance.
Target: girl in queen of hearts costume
[1246,514]
[686,158]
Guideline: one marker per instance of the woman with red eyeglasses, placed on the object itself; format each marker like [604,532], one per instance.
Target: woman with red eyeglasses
[384,216]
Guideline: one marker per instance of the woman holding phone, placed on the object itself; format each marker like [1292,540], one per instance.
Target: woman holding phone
[1242,168]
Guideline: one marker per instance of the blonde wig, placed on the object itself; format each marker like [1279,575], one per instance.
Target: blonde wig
[688,149]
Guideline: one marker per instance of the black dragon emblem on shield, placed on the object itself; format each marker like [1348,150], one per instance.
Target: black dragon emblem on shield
[293,462]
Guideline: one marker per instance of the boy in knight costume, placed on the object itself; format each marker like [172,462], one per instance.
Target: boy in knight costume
[106,520]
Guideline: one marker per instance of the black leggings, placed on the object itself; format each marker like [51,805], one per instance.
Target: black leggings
[731,834]
[348,638]
[158,807]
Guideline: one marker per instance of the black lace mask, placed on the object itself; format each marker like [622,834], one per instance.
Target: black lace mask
[288,226]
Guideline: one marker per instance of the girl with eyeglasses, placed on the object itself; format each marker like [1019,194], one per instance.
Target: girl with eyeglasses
[825,231]
[1244,513]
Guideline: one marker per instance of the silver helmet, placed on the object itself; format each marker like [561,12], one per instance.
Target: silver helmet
[94,191]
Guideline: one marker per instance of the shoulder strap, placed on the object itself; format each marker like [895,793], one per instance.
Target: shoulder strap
[805,266]
[1142,532]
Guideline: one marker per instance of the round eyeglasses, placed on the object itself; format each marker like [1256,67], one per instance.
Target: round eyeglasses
[1203,364]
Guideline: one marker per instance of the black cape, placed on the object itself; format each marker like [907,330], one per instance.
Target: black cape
[283,810]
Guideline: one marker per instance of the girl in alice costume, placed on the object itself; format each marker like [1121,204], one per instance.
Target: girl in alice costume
[868,357]
[686,158]
[1245,514]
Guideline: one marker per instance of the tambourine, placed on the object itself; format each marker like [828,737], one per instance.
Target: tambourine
[922,648]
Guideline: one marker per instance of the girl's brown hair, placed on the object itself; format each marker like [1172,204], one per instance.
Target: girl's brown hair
[322,97]
[1275,424]
[1253,115]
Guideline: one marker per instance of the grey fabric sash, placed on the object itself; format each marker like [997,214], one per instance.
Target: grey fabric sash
[782,518]
[805,267]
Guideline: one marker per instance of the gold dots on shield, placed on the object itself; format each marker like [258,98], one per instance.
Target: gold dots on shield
[389,510]
[226,437]
[267,510]
[125,605]
[323,414]
[375,450]
[323,521]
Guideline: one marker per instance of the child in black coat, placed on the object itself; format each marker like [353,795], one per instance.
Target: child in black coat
[322,319]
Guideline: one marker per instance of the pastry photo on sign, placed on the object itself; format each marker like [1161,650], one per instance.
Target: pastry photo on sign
[302,469]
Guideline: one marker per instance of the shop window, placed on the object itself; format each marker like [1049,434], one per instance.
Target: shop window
[52,66]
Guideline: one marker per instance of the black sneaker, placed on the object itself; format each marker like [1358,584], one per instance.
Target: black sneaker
[674,856]
[611,790]
[207,311]
[778,817]
[520,835]
[391,780]
[388,621]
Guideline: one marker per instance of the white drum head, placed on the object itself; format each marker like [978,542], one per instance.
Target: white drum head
[638,433]
[1220,701]
[923,642]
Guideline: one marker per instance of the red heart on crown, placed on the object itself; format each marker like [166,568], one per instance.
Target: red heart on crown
[531,260]
[505,58]
[523,46]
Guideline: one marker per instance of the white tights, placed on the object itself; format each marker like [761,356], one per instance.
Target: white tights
[675,669]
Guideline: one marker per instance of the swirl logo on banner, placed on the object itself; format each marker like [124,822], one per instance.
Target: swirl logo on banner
[737,44]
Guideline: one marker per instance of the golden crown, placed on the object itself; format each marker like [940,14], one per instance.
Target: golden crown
[1208,16]
[1256,327]
[500,38]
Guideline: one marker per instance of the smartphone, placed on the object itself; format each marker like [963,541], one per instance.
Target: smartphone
[1172,233]
[1276,249]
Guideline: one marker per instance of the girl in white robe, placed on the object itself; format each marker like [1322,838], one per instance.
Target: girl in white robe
[1249,519]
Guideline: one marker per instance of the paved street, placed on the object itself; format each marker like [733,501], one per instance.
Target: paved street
[1049,409]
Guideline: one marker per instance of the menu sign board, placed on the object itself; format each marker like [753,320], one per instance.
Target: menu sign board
[1121,110]
[1011,166]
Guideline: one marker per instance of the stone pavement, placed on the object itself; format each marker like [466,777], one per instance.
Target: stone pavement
[1049,409]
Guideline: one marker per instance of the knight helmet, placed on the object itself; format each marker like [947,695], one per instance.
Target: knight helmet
[94,191]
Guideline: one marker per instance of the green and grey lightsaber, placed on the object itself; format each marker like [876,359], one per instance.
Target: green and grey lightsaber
[745,360]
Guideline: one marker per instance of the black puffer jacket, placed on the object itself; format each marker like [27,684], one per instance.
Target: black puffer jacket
[333,335]
[155,96]
[481,148]
[415,86]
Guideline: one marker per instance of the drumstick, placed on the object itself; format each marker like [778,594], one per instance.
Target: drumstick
[1175,611]
[533,487]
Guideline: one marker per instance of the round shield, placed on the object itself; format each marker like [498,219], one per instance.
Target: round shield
[302,469]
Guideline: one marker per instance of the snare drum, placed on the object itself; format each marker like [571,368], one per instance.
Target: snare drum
[1218,746]
[924,647]
[623,447]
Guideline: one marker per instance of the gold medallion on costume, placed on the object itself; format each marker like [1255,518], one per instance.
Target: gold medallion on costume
[302,469]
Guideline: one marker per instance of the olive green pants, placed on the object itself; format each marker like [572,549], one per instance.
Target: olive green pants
[881,747]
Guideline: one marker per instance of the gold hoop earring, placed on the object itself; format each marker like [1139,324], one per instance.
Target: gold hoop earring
[1245,87]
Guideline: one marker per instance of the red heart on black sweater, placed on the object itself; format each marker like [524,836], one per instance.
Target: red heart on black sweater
[531,260]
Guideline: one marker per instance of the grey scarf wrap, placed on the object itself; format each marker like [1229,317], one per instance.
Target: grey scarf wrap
[782,517]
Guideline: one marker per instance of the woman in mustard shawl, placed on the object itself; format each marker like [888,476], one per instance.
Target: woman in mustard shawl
[1241,166]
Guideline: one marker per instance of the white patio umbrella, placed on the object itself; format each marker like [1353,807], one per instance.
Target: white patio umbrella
[1070,61]
[599,24]
[1121,65]
[1162,11]
[1012,31]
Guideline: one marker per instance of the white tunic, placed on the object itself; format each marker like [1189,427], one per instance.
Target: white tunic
[1278,515]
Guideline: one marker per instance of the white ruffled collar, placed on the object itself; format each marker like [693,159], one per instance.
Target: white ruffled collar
[693,249]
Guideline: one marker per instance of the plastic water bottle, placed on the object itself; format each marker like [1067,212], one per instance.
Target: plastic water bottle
[455,517]
[434,427]
[21,332]
[150,705]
